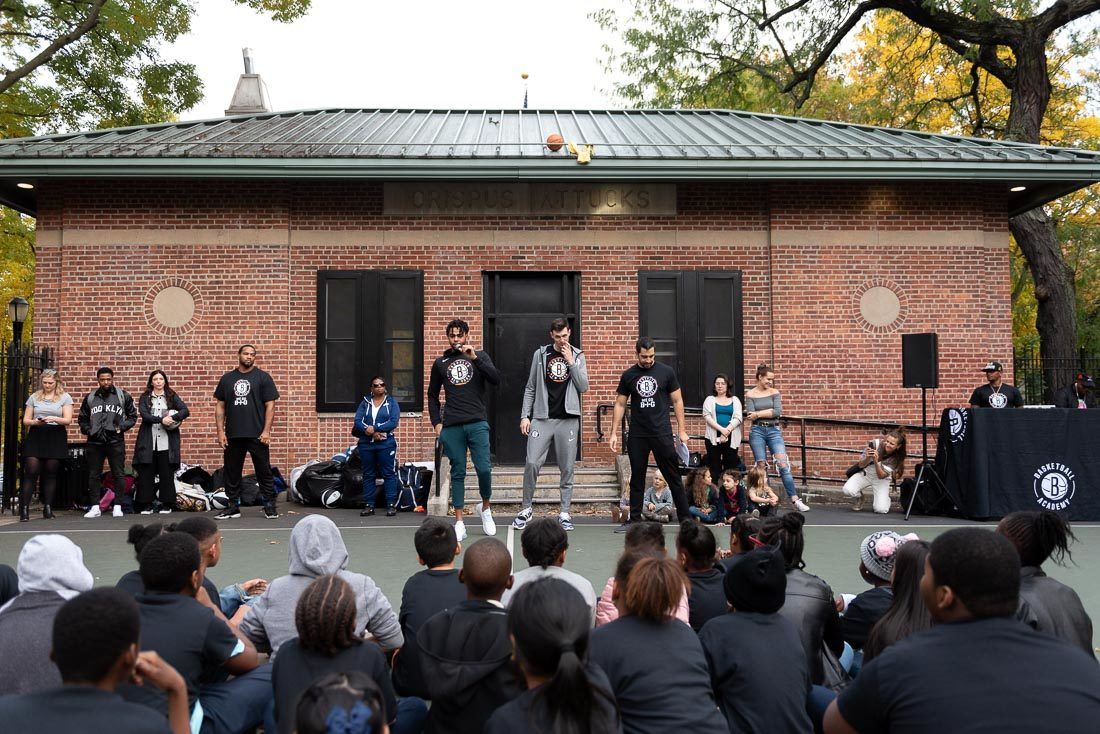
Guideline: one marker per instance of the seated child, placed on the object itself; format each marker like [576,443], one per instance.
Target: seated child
[657,505]
[337,700]
[620,511]
[732,494]
[762,499]
[706,506]
[465,652]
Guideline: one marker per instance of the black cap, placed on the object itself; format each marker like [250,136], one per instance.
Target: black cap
[757,582]
[992,366]
[1085,379]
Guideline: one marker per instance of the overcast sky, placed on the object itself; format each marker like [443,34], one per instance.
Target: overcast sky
[349,53]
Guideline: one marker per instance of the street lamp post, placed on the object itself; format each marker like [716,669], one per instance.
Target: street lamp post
[17,312]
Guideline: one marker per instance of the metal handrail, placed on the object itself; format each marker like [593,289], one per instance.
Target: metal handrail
[802,446]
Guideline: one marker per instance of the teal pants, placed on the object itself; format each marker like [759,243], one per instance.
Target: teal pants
[455,441]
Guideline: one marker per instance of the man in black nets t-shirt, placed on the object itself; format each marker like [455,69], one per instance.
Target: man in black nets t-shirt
[650,386]
[995,394]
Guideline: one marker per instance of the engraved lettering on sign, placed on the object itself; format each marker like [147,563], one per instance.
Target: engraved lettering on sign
[520,199]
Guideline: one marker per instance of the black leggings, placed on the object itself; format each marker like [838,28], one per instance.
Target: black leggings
[32,468]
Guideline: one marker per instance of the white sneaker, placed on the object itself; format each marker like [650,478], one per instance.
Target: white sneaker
[487,523]
[94,512]
[117,512]
[523,518]
[460,531]
[801,506]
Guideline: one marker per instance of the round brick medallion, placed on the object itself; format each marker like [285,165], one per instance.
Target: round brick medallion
[173,307]
[880,306]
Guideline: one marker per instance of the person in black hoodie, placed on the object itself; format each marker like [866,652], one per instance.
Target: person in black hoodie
[696,550]
[426,594]
[105,415]
[463,372]
[465,651]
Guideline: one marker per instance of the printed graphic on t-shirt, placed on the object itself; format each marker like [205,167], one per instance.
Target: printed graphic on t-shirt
[646,387]
[460,372]
[241,389]
[557,369]
[997,400]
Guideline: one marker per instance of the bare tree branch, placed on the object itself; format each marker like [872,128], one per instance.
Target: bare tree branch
[47,54]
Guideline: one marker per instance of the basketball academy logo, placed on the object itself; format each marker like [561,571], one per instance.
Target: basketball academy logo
[241,389]
[460,371]
[1054,485]
[997,400]
[557,370]
[956,425]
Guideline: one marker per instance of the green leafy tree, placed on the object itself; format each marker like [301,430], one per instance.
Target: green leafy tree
[81,64]
[1006,56]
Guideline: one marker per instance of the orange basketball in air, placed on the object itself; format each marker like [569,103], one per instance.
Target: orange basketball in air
[554,142]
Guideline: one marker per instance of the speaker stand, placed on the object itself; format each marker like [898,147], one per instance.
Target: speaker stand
[924,458]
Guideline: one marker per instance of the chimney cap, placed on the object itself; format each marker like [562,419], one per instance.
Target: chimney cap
[250,96]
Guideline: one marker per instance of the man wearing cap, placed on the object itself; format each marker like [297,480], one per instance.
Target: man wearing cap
[995,394]
[1079,395]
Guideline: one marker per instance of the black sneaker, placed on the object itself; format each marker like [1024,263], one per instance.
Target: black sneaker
[623,528]
[391,511]
[367,512]
[229,513]
[270,512]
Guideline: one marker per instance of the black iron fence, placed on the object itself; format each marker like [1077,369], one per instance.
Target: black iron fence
[1028,367]
[20,367]
[820,449]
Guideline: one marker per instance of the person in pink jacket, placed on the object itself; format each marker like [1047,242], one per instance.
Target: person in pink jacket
[640,536]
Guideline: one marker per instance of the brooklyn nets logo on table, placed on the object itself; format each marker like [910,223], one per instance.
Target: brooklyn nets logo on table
[956,424]
[1054,485]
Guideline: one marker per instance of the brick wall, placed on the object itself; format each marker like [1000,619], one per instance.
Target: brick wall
[251,250]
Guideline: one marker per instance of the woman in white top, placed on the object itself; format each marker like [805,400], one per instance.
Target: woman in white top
[722,413]
[157,451]
[48,411]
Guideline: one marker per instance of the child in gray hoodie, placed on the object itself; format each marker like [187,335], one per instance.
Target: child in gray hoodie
[317,549]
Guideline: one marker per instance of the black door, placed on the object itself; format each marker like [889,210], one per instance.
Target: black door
[518,310]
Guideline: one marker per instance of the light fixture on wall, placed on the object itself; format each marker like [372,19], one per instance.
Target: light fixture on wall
[25,185]
[1016,189]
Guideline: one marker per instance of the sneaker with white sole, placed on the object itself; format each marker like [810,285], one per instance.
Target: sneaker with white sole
[487,523]
[460,531]
[566,521]
[164,510]
[801,506]
[229,513]
[117,511]
[523,518]
[271,512]
[148,511]
[93,512]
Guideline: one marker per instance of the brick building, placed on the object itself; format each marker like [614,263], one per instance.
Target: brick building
[340,242]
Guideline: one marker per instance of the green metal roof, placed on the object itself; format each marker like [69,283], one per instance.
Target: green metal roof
[672,145]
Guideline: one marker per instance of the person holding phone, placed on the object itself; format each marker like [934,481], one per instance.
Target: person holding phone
[882,462]
[551,415]
[49,409]
[462,425]
[157,451]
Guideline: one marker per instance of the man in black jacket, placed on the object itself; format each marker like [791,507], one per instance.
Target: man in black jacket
[463,372]
[1078,395]
[105,415]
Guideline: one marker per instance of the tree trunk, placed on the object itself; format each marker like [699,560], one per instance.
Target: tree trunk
[1056,316]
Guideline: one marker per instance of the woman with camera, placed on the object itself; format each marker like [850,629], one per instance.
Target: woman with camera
[157,451]
[882,462]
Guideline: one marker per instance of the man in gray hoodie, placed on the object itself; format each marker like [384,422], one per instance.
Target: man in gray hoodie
[316,549]
[51,571]
[551,414]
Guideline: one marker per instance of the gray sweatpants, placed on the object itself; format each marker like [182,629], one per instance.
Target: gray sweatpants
[564,433]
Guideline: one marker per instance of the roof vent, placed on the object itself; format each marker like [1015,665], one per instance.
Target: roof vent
[250,97]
